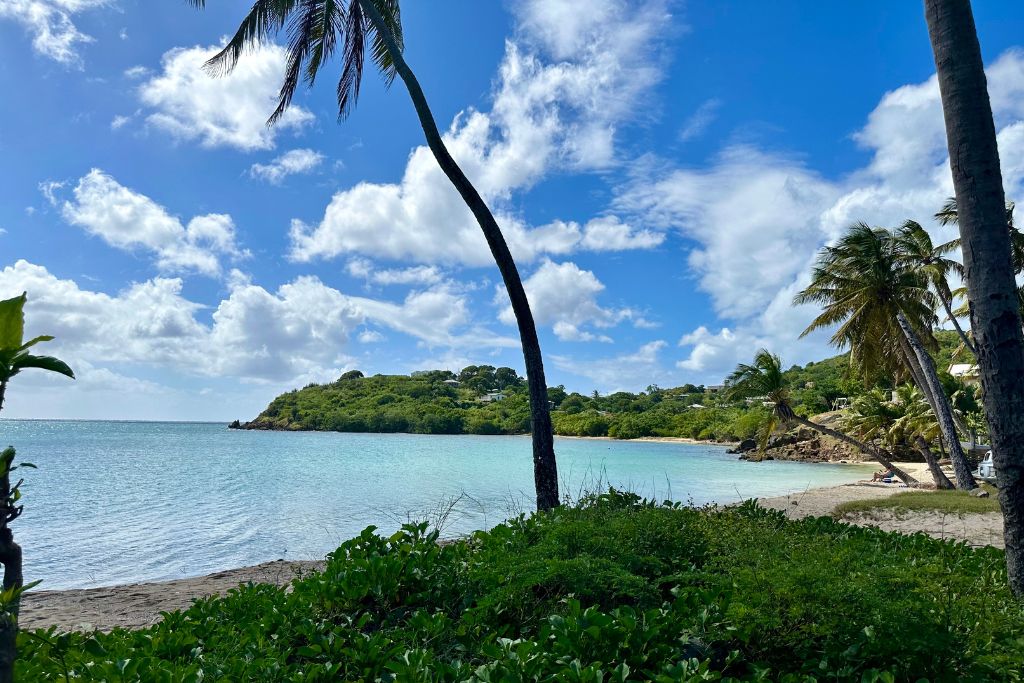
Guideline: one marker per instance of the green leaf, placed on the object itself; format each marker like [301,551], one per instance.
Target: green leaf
[12,322]
[43,363]
[33,342]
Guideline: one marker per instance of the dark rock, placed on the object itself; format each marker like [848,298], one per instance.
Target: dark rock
[979,493]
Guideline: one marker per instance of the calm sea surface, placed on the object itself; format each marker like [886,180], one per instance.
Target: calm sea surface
[118,502]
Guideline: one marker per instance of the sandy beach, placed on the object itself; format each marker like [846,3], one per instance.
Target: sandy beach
[139,605]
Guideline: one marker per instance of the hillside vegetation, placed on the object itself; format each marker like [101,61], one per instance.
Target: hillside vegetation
[444,402]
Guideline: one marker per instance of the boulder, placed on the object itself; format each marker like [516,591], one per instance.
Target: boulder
[979,493]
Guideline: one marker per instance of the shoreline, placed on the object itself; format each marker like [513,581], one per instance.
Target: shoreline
[137,605]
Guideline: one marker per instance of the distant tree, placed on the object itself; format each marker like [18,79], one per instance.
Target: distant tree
[507,377]
[557,395]
[316,29]
[352,374]
[765,378]
[14,357]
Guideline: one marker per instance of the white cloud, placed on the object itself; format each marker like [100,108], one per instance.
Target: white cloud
[49,22]
[414,275]
[137,71]
[119,122]
[552,110]
[128,220]
[290,163]
[296,334]
[699,121]
[564,296]
[758,219]
[622,372]
[227,111]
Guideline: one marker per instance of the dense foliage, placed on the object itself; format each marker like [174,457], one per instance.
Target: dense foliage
[613,589]
[431,403]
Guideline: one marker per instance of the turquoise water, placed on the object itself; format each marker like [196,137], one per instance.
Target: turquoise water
[118,502]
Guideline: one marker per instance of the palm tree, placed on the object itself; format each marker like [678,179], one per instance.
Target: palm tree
[765,378]
[881,302]
[991,287]
[916,244]
[316,29]
[907,420]
[14,357]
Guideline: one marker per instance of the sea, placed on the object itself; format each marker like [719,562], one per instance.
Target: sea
[123,502]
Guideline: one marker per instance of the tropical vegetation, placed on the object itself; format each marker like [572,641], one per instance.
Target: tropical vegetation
[610,589]
[15,356]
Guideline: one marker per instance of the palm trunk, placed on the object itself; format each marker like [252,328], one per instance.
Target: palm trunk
[946,297]
[940,478]
[875,453]
[10,557]
[985,241]
[545,469]
[943,411]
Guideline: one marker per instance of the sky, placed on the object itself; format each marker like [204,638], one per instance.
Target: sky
[664,172]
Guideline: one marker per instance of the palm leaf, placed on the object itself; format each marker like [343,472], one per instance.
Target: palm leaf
[12,322]
[43,363]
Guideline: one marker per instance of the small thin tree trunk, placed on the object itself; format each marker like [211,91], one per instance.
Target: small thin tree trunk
[545,469]
[947,303]
[964,478]
[875,453]
[10,557]
[941,480]
[985,242]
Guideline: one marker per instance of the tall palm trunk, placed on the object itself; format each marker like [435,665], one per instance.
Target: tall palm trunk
[10,557]
[991,289]
[545,469]
[943,411]
[876,453]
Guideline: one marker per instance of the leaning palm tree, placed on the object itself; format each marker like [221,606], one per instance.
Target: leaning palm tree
[316,30]
[991,287]
[880,302]
[765,378]
[916,245]
[14,357]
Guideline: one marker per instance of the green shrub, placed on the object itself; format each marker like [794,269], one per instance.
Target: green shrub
[613,589]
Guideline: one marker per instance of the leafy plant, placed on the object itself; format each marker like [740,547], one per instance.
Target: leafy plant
[14,357]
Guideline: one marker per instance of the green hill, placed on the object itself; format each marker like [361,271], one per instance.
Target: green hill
[483,399]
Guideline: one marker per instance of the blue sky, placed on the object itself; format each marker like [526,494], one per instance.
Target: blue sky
[664,172]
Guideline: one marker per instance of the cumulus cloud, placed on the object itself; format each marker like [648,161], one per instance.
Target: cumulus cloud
[621,372]
[292,162]
[128,220]
[226,111]
[564,296]
[782,212]
[49,22]
[414,275]
[297,333]
[552,110]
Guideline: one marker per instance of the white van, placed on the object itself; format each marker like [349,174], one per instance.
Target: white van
[986,469]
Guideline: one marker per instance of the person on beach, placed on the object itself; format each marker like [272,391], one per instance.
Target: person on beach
[884,476]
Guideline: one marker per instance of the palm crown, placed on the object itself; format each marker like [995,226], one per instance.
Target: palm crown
[863,282]
[316,30]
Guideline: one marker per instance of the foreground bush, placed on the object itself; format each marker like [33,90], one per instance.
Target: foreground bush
[614,589]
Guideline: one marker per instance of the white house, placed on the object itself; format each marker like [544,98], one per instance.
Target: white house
[966,373]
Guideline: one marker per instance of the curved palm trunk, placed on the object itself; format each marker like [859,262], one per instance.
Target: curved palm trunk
[964,478]
[991,289]
[946,297]
[545,469]
[940,478]
[876,453]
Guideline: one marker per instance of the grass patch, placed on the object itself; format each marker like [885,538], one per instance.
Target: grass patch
[613,589]
[948,502]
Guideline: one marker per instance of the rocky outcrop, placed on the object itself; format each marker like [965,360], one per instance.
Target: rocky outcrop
[806,445]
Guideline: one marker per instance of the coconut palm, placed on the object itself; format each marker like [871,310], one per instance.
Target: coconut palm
[879,301]
[316,30]
[916,245]
[14,357]
[991,287]
[949,215]
[765,378]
